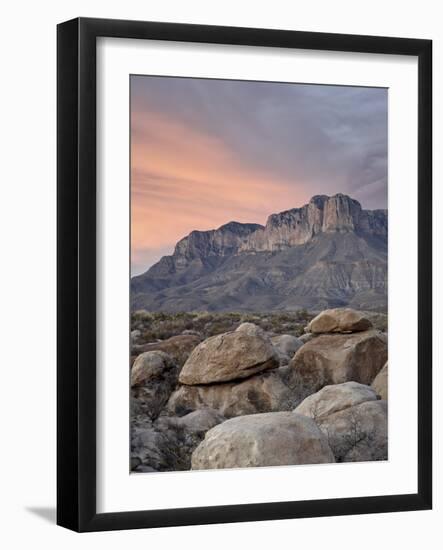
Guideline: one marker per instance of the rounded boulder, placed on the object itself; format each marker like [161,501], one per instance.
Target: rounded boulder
[338,358]
[334,398]
[229,356]
[380,383]
[268,439]
[339,320]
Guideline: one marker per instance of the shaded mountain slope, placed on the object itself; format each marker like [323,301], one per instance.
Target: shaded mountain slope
[329,253]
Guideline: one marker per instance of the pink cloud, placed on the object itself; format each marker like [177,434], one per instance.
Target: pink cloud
[183,179]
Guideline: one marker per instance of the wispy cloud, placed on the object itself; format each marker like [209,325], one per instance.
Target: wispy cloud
[205,152]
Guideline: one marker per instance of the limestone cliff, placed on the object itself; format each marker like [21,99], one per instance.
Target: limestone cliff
[330,252]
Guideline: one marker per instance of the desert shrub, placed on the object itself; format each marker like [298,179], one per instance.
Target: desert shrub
[303,315]
[156,326]
[249,318]
[356,439]
[219,327]
[299,330]
[141,315]
[380,321]
[298,389]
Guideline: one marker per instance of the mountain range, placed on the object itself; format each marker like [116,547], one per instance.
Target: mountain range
[328,253]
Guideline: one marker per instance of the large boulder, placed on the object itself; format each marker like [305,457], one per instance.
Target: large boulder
[339,320]
[337,358]
[269,391]
[229,356]
[154,376]
[359,433]
[380,383]
[332,399]
[270,439]
[286,346]
[151,366]
[178,347]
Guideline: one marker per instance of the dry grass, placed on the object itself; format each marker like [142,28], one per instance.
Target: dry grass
[155,326]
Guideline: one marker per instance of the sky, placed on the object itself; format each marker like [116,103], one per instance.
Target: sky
[205,152]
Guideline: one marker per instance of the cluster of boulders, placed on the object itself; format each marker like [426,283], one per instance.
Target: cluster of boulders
[178,347]
[250,398]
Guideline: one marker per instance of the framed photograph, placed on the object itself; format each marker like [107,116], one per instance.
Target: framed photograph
[244,253]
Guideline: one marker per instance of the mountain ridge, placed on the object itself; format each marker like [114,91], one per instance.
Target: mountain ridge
[327,253]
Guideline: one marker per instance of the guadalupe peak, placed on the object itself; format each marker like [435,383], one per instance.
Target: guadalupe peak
[323,214]
[328,253]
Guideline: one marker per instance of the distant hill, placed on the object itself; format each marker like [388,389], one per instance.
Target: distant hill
[328,253]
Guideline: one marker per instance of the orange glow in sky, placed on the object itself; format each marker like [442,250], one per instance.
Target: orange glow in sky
[205,152]
[183,179]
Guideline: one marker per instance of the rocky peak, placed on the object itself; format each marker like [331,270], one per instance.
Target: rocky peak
[224,241]
[238,228]
[341,214]
[322,214]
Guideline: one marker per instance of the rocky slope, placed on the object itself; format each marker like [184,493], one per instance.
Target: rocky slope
[328,253]
[248,397]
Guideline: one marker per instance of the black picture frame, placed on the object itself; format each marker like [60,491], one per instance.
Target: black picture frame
[76,281]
